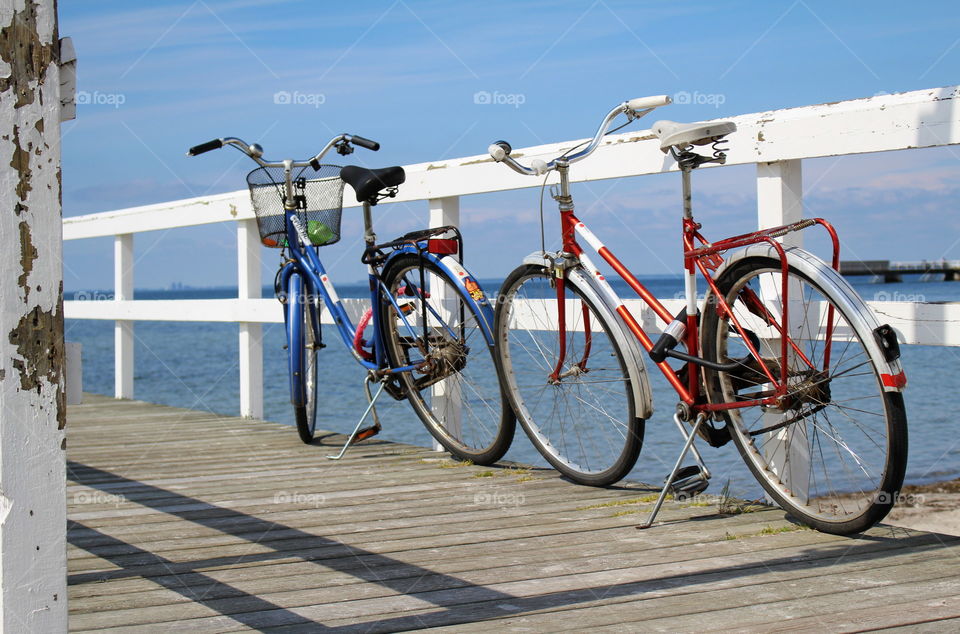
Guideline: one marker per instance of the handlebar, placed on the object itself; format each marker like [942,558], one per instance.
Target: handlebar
[644,103]
[341,142]
[367,143]
[216,144]
[634,109]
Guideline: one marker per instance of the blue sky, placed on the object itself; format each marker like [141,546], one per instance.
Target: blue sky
[156,78]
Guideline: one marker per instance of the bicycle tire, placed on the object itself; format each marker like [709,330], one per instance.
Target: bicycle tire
[574,431]
[302,349]
[837,460]
[464,364]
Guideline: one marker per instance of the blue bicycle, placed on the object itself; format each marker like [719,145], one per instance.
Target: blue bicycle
[427,334]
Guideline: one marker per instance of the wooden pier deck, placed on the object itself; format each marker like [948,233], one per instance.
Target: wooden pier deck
[189,521]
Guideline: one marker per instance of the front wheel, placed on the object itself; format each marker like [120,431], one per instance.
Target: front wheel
[833,452]
[582,416]
[454,388]
[302,315]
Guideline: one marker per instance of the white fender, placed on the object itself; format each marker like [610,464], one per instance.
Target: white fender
[861,317]
[632,351]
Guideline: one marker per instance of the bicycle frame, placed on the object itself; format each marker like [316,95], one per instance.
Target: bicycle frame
[699,256]
[305,261]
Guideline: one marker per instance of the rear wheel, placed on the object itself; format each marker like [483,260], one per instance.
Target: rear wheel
[833,453]
[456,393]
[302,346]
[583,421]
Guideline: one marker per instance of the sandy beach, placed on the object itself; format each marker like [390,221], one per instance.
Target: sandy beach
[932,507]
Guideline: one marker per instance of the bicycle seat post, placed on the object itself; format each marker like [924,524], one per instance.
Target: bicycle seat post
[368,235]
[685,171]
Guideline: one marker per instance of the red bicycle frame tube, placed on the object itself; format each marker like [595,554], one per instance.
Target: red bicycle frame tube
[562,327]
[836,267]
[702,259]
[558,280]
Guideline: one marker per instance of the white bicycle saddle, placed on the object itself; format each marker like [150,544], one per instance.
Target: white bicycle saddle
[680,135]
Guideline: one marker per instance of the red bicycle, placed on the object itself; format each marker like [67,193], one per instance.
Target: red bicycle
[781,355]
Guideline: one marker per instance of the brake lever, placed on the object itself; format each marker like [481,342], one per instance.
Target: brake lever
[343,147]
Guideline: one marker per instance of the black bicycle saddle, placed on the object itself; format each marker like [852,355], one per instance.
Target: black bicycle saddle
[368,183]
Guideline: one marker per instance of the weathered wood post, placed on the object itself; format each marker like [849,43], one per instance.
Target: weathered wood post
[33,590]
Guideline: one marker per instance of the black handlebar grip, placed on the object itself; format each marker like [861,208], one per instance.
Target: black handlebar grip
[205,147]
[362,142]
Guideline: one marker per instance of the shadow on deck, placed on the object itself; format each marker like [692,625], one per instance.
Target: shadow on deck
[190,520]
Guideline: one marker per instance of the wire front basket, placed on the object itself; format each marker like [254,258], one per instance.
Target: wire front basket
[319,198]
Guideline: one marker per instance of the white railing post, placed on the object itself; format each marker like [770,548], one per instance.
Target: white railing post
[445,400]
[251,334]
[780,196]
[779,202]
[123,329]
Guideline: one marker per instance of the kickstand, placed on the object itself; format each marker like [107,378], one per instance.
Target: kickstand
[693,480]
[362,434]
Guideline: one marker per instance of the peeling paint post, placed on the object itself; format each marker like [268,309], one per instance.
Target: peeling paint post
[33,592]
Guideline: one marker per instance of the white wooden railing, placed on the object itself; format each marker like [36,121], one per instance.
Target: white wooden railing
[776,141]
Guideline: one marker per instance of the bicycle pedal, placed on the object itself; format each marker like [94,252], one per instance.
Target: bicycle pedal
[365,433]
[689,482]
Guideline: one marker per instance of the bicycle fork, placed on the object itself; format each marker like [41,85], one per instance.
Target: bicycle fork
[580,367]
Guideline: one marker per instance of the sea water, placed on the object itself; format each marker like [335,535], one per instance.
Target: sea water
[195,365]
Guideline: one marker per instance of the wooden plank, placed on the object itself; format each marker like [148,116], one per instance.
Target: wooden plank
[515,559]
[640,594]
[204,544]
[671,602]
[542,565]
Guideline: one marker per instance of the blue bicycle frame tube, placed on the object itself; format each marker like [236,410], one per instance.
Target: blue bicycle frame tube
[466,286]
[315,280]
[375,285]
[293,316]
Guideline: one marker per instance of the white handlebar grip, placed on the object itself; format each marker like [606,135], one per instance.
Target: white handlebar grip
[642,103]
[539,166]
[497,152]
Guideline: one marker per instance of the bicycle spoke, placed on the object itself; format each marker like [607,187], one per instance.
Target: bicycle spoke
[832,450]
[580,423]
